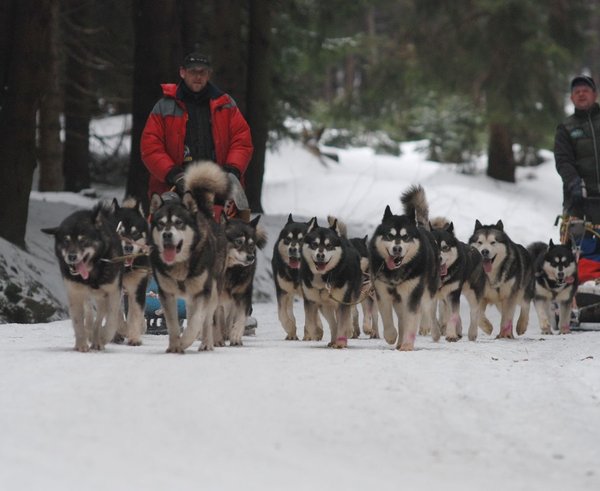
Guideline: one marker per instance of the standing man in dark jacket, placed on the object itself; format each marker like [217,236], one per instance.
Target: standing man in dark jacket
[577,147]
[194,120]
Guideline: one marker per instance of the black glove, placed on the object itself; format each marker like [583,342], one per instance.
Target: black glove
[175,177]
[232,170]
[575,189]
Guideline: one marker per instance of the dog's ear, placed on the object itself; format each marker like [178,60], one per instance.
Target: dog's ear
[478,225]
[254,221]
[551,244]
[155,203]
[450,228]
[366,239]
[290,219]
[189,202]
[115,205]
[50,231]
[388,212]
[312,223]
[261,233]
[500,225]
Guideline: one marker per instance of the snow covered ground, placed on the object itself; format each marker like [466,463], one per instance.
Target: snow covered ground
[519,414]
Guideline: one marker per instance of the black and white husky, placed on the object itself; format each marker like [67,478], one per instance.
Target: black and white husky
[368,305]
[132,229]
[243,238]
[509,277]
[330,276]
[405,269]
[556,281]
[287,255]
[88,249]
[188,255]
[461,273]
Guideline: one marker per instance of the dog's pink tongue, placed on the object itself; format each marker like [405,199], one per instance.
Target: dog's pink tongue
[391,263]
[83,270]
[443,269]
[321,266]
[294,263]
[169,254]
[487,265]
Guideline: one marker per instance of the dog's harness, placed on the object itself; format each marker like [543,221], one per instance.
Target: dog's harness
[145,251]
[367,289]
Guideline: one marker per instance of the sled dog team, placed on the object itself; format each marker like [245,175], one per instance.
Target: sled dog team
[411,273]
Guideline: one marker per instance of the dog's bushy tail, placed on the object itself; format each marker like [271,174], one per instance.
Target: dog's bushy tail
[206,181]
[415,205]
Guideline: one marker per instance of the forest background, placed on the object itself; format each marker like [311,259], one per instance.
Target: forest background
[468,76]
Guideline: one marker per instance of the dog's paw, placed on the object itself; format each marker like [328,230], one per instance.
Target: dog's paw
[219,344]
[118,338]
[208,347]
[134,342]
[453,339]
[175,349]
[291,337]
[565,329]
[82,348]
[485,325]
[406,347]
[424,330]
[236,342]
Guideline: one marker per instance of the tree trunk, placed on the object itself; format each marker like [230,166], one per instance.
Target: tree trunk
[501,160]
[259,96]
[49,145]
[25,37]
[229,50]
[156,34]
[78,100]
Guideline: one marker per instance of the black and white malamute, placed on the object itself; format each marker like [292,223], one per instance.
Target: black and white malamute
[86,245]
[330,276]
[188,255]
[461,272]
[509,277]
[368,304]
[405,269]
[243,238]
[287,255]
[555,269]
[132,229]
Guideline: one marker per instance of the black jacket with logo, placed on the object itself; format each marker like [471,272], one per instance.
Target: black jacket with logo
[577,150]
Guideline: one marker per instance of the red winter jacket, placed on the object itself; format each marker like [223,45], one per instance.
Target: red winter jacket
[162,143]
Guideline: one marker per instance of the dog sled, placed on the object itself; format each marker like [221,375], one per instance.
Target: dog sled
[584,237]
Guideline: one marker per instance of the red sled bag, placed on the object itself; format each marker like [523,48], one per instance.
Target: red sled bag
[588,269]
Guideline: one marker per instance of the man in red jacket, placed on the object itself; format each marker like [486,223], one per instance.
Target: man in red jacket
[194,120]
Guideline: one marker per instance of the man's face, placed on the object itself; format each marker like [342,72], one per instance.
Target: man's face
[195,78]
[583,97]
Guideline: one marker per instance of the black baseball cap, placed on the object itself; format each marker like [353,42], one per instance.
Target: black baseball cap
[194,60]
[583,80]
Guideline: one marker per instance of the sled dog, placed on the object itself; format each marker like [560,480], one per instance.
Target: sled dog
[132,229]
[188,255]
[509,277]
[85,244]
[405,269]
[461,272]
[367,297]
[243,239]
[330,276]
[556,280]
[287,253]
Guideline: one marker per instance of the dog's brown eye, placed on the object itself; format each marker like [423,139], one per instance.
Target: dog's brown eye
[239,242]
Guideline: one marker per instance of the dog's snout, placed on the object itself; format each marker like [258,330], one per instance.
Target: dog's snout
[397,249]
[320,256]
[485,252]
[250,257]
[72,257]
[167,236]
[128,249]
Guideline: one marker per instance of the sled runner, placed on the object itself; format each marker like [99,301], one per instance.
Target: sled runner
[584,237]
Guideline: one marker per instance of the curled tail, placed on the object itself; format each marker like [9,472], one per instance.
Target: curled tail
[206,181]
[415,205]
